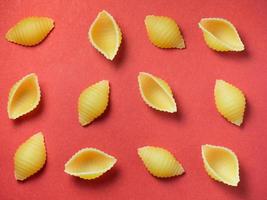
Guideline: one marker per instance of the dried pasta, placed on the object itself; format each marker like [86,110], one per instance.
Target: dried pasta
[163,32]
[89,163]
[220,34]
[30,31]
[156,93]
[221,164]
[30,157]
[93,101]
[24,96]
[160,162]
[105,35]
[230,102]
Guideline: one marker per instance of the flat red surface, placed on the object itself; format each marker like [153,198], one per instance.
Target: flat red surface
[66,63]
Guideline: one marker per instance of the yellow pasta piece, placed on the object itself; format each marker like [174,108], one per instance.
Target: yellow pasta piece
[221,164]
[89,163]
[220,34]
[160,162]
[93,101]
[105,35]
[24,96]
[30,157]
[156,93]
[163,32]
[230,102]
[30,31]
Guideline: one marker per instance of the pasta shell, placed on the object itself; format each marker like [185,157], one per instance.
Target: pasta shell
[230,102]
[30,157]
[105,35]
[160,162]
[163,32]
[93,101]
[221,164]
[30,31]
[24,96]
[220,34]
[156,93]
[89,163]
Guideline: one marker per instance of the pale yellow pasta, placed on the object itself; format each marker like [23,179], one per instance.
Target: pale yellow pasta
[30,157]
[30,31]
[221,164]
[156,93]
[93,101]
[220,34]
[24,96]
[163,32]
[230,102]
[160,162]
[105,35]
[89,163]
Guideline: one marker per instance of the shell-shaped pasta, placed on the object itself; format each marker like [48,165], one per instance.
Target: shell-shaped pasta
[93,101]
[30,31]
[160,162]
[105,35]
[220,34]
[230,102]
[163,32]
[30,157]
[156,93]
[24,96]
[89,163]
[221,164]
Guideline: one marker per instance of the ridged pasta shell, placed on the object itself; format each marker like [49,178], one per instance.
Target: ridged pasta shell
[24,96]
[220,34]
[105,35]
[156,93]
[89,163]
[30,31]
[163,32]
[30,157]
[230,102]
[160,162]
[93,101]
[221,164]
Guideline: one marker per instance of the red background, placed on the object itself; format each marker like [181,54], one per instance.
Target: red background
[66,63]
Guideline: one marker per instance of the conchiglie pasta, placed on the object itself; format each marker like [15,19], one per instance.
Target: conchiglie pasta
[30,157]
[160,162]
[221,164]
[230,102]
[163,32]
[105,35]
[156,93]
[93,101]
[220,34]
[24,96]
[89,163]
[30,31]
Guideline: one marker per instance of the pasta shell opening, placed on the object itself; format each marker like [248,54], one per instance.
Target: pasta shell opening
[160,162]
[230,102]
[24,96]
[221,164]
[93,101]
[163,32]
[105,35]
[30,157]
[156,93]
[221,35]
[89,163]
[30,31]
